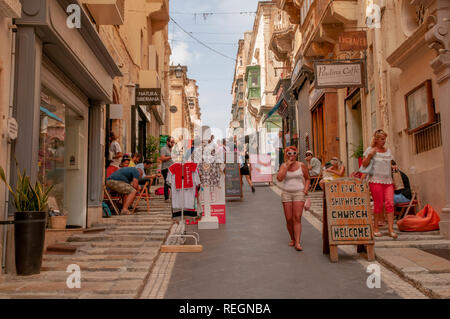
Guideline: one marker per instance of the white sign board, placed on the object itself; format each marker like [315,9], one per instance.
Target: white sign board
[339,75]
[13,129]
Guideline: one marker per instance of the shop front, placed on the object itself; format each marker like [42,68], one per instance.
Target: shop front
[63,78]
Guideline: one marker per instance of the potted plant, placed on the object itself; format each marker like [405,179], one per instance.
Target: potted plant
[30,203]
[358,152]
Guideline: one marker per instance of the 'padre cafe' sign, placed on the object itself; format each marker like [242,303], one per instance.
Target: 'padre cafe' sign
[339,75]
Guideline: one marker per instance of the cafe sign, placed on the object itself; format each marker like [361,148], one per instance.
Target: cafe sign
[148,96]
[339,74]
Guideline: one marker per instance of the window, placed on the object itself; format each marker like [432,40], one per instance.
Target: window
[428,138]
[419,107]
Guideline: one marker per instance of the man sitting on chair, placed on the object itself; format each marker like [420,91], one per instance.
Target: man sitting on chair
[313,164]
[125,181]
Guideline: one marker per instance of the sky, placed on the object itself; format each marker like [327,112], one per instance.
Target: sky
[213,72]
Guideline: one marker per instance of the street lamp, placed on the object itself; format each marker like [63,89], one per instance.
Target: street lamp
[178,71]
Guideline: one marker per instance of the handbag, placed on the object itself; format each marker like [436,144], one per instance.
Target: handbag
[398,181]
[368,169]
[307,204]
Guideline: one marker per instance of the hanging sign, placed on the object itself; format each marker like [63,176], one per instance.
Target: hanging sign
[146,96]
[353,41]
[339,74]
[13,129]
[348,216]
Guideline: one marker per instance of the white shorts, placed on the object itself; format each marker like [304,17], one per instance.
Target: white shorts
[293,197]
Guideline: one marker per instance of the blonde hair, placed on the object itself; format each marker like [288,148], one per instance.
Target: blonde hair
[376,135]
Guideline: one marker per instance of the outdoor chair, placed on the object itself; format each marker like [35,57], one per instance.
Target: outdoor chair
[144,194]
[405,207]
[112,197]
[315,182]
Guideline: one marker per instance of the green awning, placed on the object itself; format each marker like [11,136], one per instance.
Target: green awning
[274,109]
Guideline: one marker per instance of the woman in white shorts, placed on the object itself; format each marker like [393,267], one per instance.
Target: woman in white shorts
[295,185]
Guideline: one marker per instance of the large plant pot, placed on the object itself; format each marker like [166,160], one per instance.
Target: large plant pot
[29,236]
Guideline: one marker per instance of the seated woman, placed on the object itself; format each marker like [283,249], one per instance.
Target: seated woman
[402,187]
[335,171]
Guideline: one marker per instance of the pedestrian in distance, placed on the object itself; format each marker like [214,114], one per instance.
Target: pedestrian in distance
[167,161]
[380,180]
[245,171]
[295,180]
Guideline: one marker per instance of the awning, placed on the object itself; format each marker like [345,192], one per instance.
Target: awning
[273,110]
[53,116]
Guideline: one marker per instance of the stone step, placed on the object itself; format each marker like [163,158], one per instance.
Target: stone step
[408,237]
[440,243]
[95,230]
[61,249]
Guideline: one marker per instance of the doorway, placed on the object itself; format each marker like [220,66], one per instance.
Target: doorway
[353,123]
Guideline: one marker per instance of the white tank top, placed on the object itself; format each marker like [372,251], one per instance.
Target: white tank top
[293,182]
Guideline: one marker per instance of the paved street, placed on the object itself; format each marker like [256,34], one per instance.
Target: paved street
[249,257]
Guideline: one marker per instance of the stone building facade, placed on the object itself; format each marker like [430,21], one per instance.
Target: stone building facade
[406,86]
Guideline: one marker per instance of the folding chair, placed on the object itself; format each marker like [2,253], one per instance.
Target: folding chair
[405,207]
[107,197]
[144,193]
[314,182]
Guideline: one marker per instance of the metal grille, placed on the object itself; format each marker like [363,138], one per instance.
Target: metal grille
[427,139]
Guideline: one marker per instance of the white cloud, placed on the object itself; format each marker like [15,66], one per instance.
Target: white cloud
[180,54]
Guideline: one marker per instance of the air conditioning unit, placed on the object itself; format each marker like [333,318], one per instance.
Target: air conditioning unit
[10,8]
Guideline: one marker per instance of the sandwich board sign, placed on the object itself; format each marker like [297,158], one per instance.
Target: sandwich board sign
[348,217]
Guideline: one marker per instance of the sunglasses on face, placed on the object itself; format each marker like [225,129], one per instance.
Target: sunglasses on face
[291,153]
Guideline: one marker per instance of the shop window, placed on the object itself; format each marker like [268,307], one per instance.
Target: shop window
[59,142]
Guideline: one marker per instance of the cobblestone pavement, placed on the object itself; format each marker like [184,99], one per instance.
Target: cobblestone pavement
[115,263]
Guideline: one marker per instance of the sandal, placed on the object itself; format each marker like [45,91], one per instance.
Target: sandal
[393,235]
[299,248]
[377,234]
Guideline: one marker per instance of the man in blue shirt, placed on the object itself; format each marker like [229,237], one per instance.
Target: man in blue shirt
[125,181]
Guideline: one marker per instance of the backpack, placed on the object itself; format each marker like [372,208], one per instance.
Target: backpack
[160,191]
[106,210]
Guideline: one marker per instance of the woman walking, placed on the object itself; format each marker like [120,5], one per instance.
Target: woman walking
[245,171]
[380,180]
[295,184]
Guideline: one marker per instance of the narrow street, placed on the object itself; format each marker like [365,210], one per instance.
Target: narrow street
[249,257]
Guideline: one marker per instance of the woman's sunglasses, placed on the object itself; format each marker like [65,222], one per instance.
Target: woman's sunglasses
[291,153]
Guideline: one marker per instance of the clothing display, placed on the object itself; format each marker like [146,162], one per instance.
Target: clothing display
[210,174]
[184,198]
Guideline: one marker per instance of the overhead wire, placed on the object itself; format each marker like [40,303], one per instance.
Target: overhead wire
[202,43]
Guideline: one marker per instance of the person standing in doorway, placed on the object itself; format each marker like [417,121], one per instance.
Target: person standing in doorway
[167,161]
[295,185]
[115,151]
[380,180]
[280,149]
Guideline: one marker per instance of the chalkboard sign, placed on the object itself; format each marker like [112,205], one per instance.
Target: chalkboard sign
[233,187]
[348,215]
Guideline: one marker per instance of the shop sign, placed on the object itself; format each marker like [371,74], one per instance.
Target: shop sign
[339,74]
[13,129]
[315,95]
[348,214]
[283,109]
[233,187]
[353,41]
[115,111]
[146,96]
[296,70]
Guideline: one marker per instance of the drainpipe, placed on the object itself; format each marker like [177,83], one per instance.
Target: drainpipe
[8,151]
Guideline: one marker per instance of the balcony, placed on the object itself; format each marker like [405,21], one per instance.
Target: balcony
[158,11]
[292,9]
[322,23]
[10,8]
[106,12]
[283,36]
